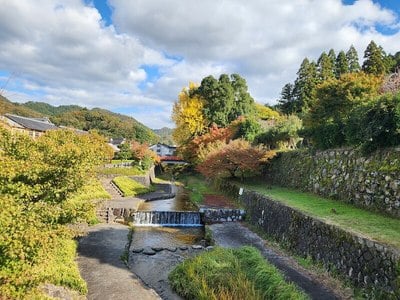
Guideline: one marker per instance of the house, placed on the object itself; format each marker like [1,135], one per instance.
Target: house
[163,149]
[114,143]
[34,127]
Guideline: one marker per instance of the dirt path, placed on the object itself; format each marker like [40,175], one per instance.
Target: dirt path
[233,235]
[101,267]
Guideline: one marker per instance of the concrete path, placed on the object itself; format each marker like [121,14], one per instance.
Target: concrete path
[100,265]
[234,234]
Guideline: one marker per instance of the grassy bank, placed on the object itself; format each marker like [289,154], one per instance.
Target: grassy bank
[372,225]
[231,274]
[132,171]
[130,187]
[198,187]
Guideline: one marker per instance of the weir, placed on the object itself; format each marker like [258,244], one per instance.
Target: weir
[167,218]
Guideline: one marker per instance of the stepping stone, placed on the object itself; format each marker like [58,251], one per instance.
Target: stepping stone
[183,247]
[197,247]
[148,251]
[137,250]
[171,249]
[209,248]
[157,249]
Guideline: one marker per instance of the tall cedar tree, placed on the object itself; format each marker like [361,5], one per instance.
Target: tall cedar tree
[325,67]
[287,103]
[352,58]
[341,64]
[375,60]
[304,85]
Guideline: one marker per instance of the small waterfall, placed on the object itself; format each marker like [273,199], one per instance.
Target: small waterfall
[167,218]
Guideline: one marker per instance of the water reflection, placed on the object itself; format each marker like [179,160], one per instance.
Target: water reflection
[179,203]
[166,236]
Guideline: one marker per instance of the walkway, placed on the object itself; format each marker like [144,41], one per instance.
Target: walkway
[234,234]
[99,260]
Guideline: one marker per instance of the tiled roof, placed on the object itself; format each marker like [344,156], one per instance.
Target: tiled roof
[32,123]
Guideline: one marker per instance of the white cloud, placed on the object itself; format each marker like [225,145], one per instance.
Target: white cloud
[62,53]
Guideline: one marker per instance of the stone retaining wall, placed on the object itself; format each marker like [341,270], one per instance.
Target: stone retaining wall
[372,182]
[367,264]
[217,215]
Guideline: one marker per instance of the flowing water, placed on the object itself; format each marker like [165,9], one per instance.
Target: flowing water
[167,223]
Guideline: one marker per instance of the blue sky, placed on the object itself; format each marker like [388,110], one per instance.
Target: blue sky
[134,57]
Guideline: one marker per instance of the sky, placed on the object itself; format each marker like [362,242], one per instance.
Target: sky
[134,57]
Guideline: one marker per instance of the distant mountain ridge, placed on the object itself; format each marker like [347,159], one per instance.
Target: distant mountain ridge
[165,135]
[105,122]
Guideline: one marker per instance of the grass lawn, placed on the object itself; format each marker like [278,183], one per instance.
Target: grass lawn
[223,274]
[369,224]
[130,187]
[133,171]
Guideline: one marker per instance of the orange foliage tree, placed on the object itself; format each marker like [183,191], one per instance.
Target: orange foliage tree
[236,159]
[199,144]
[143,155]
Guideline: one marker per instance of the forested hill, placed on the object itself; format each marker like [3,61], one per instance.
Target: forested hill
[165,135]
[105,122]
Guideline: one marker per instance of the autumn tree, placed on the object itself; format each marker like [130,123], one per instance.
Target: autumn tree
[142,155]
[238,159]
[215,134]
[188,115]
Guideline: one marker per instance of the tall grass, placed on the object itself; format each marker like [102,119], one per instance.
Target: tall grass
[223,274]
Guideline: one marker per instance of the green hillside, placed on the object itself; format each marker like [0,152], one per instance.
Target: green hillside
[50,110]
[6,106]
[105,122]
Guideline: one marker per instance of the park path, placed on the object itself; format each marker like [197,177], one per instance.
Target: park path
[234,234]
[100,264]
[99,257]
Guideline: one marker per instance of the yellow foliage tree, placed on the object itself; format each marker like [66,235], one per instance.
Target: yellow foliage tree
[266,113]
[188,115]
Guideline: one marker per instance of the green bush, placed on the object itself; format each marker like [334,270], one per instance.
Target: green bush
[231,274]
[376,124]
[130,187]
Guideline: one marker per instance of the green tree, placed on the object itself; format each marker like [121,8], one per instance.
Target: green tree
[287,103]
[304,85]
[375,60]
[325,67]
[332,57]
[248,129]
[243,104]
[341,64]
[352,58]
[335,99]
[225,99]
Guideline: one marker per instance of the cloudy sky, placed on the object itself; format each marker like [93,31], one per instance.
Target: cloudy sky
[134,57]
